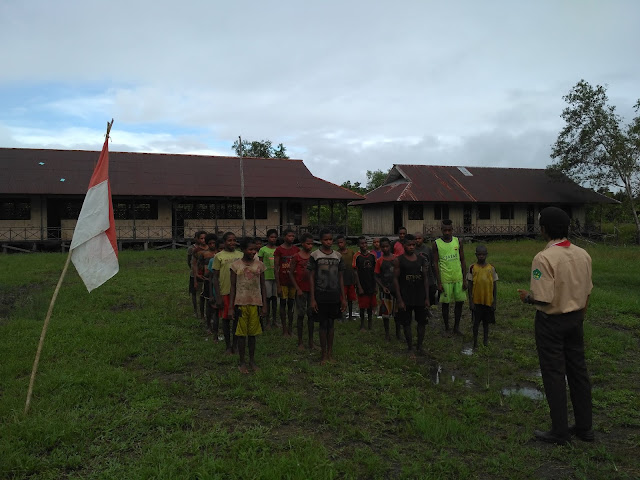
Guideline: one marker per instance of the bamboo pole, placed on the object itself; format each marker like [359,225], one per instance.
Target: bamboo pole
[44,333]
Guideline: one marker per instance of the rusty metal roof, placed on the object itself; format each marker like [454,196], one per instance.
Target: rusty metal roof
[451,184]
[58,172]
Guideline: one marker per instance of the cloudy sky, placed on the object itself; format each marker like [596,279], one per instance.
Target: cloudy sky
[347,86]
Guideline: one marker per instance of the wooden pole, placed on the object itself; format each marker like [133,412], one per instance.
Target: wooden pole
[44,333]
[244,219]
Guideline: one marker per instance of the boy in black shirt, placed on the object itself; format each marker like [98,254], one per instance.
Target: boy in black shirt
[364,263]
[412,291]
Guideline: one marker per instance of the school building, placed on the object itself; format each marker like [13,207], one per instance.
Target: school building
[480,201]
[157,198]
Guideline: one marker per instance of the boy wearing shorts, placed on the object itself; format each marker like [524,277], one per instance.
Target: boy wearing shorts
[248,298]
[349,282]
[299,276]
[448,260]
[384,274]
[266,255]
[364,264]
[327,291]
[286,291]
[222,283]
[483,293]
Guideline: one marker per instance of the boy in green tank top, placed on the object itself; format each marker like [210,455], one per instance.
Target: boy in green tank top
[450,266]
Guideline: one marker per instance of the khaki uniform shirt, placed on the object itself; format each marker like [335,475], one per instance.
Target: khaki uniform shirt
[561,277]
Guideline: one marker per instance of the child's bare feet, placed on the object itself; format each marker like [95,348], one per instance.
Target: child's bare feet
[243,369]
[387,337]
[323,360]
[312,346]
[228,351]
[255,367]
[300,347]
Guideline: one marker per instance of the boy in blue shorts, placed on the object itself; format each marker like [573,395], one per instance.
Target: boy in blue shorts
[248,297]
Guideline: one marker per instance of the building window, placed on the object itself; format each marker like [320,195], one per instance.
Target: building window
[416,212]
[260,207]
[506,212]
[70,209]
[484,211]
[15,209]
[135,209]
[440,211]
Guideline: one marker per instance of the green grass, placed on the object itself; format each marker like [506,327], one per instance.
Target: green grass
[129,387]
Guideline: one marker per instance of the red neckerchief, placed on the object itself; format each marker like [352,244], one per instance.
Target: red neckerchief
[564,243]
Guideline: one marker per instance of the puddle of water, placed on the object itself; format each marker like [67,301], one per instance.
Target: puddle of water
[467,351]
[528,392]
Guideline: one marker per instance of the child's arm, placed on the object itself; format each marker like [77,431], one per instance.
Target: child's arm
[425,276]
[194,269]
[216,282]
[292,277]
[463,265]
[263,289]
[377,275]
[469,282]
[396,284]
[276,271]
[311,266]
[232,295]
[343,299]
[495,295]
[436,266]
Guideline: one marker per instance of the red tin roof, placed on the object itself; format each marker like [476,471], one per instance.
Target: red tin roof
[32,171]
[430,183]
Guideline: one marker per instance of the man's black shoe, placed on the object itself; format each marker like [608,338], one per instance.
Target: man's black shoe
[584,435]
[550,437]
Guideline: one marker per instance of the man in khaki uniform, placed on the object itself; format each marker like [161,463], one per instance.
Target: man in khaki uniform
[560,289]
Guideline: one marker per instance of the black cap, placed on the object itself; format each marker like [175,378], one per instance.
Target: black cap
[554,217]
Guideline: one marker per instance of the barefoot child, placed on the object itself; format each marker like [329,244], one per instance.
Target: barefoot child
[198,244]
[364,263]
[222,283]
[299,276]
[412,291]
[483,292]
[202,261]
[348,277]
[248,297]
[384,274]
[327,291]
[287,293]
[448,260]
[266,256]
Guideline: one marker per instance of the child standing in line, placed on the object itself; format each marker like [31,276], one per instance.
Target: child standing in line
[222,283]
[483,293]
[425,252]
[202,261]
[412,291]
[327,291]
[448,260]
[376,248]
[199,244]
[384,275]
[299,276]
[287,293]
[364,263]
[266,255]
[248,297]
[347,258]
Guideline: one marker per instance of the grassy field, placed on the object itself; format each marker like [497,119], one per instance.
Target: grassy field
[130,387]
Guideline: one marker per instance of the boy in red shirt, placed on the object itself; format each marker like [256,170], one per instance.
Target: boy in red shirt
[299,276]
[287,292]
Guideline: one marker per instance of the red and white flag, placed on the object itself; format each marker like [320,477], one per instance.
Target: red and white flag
[94,250]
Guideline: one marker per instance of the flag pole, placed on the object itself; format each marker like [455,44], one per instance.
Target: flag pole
[48,317]
[242,187]
[44,333]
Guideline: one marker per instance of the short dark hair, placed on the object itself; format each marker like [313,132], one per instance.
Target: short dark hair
[325,231]
[199,232]
[362,237]
[555,222]
[209,237]
[245,242]
[287,231]
[409,238]
[339,237]
[272,231]
[482,247]
[402,228]
[385,240]
[227,235]
[305,236]
[447,222]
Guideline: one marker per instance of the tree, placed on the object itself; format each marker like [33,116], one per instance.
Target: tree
[596,148]
[375,179]
[261,149]
[354,187]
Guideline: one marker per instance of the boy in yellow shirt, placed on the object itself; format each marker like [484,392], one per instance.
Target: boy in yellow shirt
[481,285]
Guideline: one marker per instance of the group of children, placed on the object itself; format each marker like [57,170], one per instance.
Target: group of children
[242,286]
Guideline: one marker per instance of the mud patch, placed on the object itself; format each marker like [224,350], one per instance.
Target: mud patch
[10,297]
[128,305]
